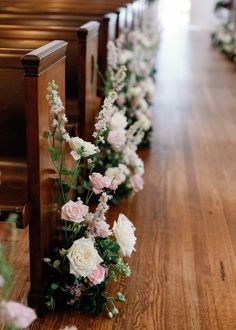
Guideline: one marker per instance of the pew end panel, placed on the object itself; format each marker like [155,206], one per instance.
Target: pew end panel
[13,167]
[41,66]
[89,103]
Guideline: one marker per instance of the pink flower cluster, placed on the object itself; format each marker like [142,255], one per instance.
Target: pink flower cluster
[99,182]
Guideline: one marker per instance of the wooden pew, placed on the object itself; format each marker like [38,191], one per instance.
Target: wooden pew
[82,53]
[13,192]
[13,189]
[91,10]
[107,31]
[41,67]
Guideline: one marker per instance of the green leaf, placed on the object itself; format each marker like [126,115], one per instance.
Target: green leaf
[55,153]
[114,259]
[54,286]
[56,264]
[65,171]
[51,303]
[120,296]
[112,275]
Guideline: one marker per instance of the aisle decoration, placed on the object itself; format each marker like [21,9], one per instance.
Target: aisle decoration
[13,315]
[137,51]
[225,33]
[88,252]
[118,142]
[131,73]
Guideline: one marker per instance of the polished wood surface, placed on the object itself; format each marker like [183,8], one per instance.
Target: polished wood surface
[184,268]
[21,36]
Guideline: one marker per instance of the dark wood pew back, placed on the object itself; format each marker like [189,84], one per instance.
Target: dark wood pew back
[91,10]
[34,37]
[13,192]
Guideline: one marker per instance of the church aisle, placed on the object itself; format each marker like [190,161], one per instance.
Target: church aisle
[184,268]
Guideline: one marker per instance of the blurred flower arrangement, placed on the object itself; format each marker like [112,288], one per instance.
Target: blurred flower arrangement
[224,36]
[131,73]
[136,52]
[88,253]
[13,315]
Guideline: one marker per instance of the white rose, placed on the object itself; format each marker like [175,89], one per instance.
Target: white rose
[124,230]
[117,139]
[145,122]
[132,159]
[118,121]
[124,169]
[125,56]
[138,166]
[143,105]
[136,91]
[81,148]
[83,257]
[116,175]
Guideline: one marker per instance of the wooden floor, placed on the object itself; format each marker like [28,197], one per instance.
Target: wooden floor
[184,270]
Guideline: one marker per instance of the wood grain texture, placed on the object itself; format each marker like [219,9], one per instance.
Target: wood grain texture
[184,268]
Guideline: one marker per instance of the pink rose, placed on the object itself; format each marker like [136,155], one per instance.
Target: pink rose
[74,211]
[98,275]
[136,182]
[99,182]
[117,139]
[16,314]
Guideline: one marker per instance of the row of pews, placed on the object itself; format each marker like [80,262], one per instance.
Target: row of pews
[65,41]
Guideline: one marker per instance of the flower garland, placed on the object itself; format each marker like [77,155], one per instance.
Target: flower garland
[131,71]
[88,253]
[118,158]
[136,50]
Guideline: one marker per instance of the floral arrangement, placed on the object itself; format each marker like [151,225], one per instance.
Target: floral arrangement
[131,70]
[224,39]
[118,143]
[88,252]
[224,35]
[137,51]
[13,315]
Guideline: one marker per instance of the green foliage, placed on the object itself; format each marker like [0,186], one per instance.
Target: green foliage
[55,153]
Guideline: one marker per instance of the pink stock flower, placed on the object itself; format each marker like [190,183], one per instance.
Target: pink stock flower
[117,139]
[16,314]
[98,275]
[99,229]
[99,182]
[120,100]
[74,211]
[136,182]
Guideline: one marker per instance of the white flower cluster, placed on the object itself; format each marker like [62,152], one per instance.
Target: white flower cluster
[105,114]
[57,110]
[81,148]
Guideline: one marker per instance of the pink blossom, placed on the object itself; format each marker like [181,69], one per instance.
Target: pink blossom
[117,139]
[16,314]
[99,182]
[74,211]
[120,100]
[98,275]
[136,182]
[99,229]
